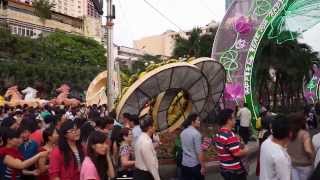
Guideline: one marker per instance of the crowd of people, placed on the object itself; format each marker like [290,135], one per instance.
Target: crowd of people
[287,150]
[72,143]
[89,143]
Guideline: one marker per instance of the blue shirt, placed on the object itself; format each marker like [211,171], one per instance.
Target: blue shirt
[28,149]
[191,146]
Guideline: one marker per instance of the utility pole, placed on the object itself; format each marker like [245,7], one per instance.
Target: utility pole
[110,55]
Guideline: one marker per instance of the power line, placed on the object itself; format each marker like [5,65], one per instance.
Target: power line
[163,15]
[206,6]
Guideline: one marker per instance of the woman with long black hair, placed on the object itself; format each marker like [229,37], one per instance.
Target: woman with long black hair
[50,138]
[66,159]
[97,165]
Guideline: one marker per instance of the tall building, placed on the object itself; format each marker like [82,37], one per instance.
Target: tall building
[228,3]
[19,16]
[74,8]
[157,45]
[163,44]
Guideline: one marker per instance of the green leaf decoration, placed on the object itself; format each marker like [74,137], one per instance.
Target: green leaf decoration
[263,7]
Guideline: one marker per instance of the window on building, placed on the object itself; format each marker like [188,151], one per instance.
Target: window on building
[22,31]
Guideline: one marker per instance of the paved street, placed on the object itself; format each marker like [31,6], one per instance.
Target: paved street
[251,176]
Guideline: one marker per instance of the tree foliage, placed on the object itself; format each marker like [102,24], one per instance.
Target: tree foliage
[42,9]
[195,44]
[49,61]
[293,63]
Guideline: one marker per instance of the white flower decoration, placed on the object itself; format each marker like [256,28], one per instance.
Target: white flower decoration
[241,43]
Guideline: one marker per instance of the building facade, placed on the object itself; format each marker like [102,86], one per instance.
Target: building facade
[127,56]
[20,18]
[164,44]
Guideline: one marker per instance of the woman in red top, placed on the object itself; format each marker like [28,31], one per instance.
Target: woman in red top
[11,160]
[50,137]
[66,158]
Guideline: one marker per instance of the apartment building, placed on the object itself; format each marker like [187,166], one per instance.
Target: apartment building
[164,43]
[19,16]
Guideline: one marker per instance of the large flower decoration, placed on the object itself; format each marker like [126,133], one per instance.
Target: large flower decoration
[309,95]
[234,91]
[242,25]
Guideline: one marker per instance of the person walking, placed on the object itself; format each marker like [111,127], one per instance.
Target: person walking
[146,163]
[274,159]
[135,125]
[244,115]
[193,165]
[229,148]
[300,148]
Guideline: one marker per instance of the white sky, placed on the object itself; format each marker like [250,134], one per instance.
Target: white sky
[135,19]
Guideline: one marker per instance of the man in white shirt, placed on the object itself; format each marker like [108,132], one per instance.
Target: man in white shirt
[147,167]
[244,115]
[274,159]
[136,130]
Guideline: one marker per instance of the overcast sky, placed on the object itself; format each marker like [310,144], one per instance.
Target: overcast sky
[135,19]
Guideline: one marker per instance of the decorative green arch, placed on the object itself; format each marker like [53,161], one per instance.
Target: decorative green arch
[241,32]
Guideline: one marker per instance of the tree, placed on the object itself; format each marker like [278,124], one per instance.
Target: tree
[42,9]
[59,47]
[293,64]
[49,61]
[195,44]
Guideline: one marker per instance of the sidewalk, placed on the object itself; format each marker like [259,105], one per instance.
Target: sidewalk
[168,171]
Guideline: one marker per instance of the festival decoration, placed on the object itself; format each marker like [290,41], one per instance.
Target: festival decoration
[185,87]
[62,98]
[236,47]
[15,98]
[96,93]
[297,17]
[242,25]
[2,101]
[30,93]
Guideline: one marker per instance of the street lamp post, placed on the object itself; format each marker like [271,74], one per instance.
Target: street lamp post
[110,55]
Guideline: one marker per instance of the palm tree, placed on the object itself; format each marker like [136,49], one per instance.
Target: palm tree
[42,9]
[195,44]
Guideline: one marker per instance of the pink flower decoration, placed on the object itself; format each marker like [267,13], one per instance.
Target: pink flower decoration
[309,95]
[234,91]
[242,25]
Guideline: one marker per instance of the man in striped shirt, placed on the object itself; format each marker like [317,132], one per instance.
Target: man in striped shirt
[229,148]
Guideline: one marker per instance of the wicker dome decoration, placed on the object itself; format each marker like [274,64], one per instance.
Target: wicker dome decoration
[216,77]
[173,77]
[171,92]
[96,93]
